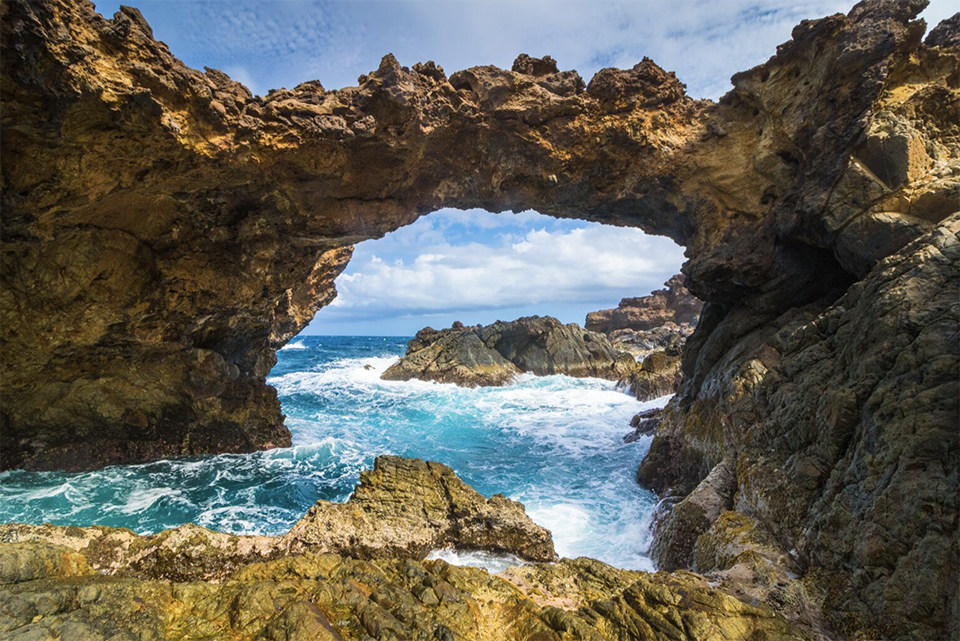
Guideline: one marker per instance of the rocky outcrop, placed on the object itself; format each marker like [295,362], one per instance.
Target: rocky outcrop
[354,571]
[164,232]
[493,354]
[335,598]
[401,508]
[673,304]
[655,376]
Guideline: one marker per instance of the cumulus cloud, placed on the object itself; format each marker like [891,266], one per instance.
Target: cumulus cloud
[573,263]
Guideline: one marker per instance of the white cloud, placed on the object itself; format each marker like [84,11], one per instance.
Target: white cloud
[592,263]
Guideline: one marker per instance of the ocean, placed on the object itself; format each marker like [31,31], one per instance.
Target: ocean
[554,443]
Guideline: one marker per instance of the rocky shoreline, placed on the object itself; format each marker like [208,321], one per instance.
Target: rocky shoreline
[164,232]
[356,571]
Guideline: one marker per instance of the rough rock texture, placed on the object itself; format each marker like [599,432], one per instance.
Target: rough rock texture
[674,304]
[354,571]
[657,375]
[164,232]
[493,354]
[403,507]
[329,597]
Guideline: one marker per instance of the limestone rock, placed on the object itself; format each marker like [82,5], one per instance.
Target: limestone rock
[494,354]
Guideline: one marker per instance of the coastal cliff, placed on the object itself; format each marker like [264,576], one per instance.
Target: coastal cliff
[165,232]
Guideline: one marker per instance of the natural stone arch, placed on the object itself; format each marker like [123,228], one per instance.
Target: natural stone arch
[165,232]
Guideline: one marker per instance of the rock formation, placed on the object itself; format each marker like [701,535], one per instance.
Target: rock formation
[401,508]
[164,232]
[355,571]
[493,354]
[653,329]
[656,375]
[673,304]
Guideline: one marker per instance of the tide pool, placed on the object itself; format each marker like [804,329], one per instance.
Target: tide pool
[554,443]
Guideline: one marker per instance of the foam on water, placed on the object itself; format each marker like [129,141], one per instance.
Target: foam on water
[555,443]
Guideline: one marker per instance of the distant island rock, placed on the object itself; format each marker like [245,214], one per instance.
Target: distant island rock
[647,324]
[489,355]
[653,329]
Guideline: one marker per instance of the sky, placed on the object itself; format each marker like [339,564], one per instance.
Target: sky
[475,266]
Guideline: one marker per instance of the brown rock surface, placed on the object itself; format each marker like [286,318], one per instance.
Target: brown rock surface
[493,354]
[402,508]
[673,304]
[164,232]
[353,571]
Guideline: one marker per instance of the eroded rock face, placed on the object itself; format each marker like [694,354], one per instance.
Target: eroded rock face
[164,232]
[493,354]
[353,571]
[673,304]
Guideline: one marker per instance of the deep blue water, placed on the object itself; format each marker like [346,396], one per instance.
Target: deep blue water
[555,443]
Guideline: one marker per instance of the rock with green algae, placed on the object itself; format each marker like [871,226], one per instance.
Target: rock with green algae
[332,597]
[191,583]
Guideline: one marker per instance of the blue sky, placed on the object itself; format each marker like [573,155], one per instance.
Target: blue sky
[475,266]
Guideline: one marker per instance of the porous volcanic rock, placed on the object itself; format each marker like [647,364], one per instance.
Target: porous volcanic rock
[483,355]
[353,571]
[164,232]
[331,597]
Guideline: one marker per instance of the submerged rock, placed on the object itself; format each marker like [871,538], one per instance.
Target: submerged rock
[493,354]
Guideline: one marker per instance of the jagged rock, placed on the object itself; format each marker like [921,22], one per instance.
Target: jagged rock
[674,304]
[494,354]
[644,424]
[409,507]
[401,508]
[190,583]
[332,597]
[657,375]
[164,232]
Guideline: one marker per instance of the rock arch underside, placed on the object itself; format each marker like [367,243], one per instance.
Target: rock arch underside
[164,232]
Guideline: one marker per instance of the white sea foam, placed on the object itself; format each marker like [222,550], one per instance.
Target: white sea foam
[294,345]
[493,562]
[140,500]
[554,443]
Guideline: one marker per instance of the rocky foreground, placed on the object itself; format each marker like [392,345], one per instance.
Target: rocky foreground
[484,355]
[355,571]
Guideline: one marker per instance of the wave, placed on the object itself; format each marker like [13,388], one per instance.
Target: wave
[294,345]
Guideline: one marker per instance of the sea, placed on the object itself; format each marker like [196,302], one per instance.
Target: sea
[554,443]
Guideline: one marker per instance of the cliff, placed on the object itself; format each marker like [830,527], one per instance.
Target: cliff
[673,304]
[493,354]
[164,232]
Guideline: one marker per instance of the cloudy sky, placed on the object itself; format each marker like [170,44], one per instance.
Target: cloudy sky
[475,266]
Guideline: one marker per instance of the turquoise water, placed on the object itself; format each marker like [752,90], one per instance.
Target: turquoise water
[555,443]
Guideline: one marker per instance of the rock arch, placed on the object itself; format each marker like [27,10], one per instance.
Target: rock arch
[164,232]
